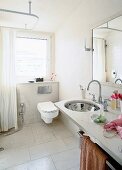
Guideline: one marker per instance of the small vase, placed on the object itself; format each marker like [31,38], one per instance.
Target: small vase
[121,106]
[117,103]
[113,104]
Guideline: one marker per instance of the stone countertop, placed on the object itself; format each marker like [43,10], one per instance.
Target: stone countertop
[95,131]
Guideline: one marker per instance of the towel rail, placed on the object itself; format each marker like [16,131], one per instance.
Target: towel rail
[81,134]
[1,149]
[110,165]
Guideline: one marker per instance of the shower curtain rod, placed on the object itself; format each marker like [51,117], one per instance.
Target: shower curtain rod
[110,29]
[21,13]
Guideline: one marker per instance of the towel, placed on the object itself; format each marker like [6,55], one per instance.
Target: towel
[92,157]
[115,125]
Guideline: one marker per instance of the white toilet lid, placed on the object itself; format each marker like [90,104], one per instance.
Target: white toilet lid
[47,106]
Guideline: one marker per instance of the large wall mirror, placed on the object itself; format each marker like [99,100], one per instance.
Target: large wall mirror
[107,52]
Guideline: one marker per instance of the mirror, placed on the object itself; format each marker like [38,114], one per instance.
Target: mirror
[107,52]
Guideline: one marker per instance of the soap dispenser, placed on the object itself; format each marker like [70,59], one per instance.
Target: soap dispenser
[83,92]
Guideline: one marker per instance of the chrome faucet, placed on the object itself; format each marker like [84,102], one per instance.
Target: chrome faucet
[118,80]
[100,96]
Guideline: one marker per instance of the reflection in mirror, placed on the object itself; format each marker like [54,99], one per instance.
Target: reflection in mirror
[107,52]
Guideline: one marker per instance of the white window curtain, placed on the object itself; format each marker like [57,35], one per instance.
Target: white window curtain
[8,102]
[99,60]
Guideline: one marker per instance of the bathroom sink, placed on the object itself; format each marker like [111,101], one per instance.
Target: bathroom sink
[81,106]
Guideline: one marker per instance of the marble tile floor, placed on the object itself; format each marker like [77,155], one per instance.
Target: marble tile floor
[40,146]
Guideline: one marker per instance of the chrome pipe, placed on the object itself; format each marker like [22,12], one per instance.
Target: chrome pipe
[30,7]
[18,12]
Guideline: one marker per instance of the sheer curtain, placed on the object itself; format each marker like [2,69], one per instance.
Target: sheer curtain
[99,60]
[8,103]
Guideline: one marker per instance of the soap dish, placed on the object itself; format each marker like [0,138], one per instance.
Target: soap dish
[99,119]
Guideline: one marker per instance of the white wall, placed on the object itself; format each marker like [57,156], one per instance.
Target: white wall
[73,65]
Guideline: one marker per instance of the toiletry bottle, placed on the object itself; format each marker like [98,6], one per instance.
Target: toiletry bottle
[117,98]
[83,92]
[113,102]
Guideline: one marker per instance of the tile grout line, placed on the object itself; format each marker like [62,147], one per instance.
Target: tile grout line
[37,144]
[48,156]
[53,162]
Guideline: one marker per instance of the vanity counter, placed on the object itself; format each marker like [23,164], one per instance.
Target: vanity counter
[112,146]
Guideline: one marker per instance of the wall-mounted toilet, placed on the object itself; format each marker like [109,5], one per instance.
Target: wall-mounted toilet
[48,111]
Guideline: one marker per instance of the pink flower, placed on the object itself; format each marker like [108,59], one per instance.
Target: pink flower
[120,96]
[114,96]
[117,96]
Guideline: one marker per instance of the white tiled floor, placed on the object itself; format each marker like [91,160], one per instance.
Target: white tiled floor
[40,147]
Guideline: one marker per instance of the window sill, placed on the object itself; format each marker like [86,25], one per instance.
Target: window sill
[41,82]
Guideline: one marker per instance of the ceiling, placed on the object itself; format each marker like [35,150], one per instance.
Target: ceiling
[52,13]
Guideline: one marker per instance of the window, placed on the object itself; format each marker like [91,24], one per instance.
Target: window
[32,59]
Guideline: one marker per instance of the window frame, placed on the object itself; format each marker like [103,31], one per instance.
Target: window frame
[50,52]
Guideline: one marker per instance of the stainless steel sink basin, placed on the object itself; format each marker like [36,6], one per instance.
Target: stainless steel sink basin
[81,106]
